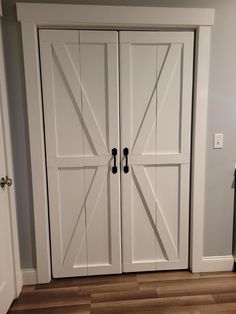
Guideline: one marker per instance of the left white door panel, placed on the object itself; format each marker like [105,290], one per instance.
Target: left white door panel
[80,94]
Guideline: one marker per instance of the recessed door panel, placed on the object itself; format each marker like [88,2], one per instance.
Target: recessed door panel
[67,111]
[169,108]
[144,241]
[72,215]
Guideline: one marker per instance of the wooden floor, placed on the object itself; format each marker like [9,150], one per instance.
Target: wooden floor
[161,292]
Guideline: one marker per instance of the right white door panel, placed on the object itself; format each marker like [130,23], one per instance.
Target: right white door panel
[156,100]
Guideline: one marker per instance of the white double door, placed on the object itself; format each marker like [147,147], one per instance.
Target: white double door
[104,90]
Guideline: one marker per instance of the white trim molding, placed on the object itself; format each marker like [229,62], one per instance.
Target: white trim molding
[110,16]
[199,127]
[29,276]
[217,263]
[35,16]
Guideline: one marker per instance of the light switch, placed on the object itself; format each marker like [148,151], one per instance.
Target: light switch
[218,140]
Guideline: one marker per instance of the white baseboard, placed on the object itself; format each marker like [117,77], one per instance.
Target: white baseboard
[217,263]
[29,276]
[208,264]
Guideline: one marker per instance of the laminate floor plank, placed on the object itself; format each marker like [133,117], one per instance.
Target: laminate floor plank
[75,309]
[86,281]
[50,298]
[225,297]
[123,295]
[88,290]
[168,292]
[29,288]
[218,274]
[191,286]
[229,308]
[143,305]
[166,275]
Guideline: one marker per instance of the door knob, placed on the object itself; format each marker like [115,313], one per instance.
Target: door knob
[5,181]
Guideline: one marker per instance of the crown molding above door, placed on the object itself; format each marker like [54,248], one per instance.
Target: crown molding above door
[110,16]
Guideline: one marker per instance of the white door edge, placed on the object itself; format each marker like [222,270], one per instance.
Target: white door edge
[9,166]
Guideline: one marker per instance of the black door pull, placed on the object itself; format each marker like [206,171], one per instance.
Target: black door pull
[114,153]
[126,153]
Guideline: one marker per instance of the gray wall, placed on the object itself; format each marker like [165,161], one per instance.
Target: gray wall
[218,229]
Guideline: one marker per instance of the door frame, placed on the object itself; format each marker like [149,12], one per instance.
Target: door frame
[4,115]
[35,16]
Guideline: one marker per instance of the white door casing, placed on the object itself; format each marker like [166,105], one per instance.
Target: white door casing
[156,101]
[80,95]
[34,16]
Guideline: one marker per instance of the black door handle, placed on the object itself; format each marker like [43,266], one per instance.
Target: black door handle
[126,153]
[114,153]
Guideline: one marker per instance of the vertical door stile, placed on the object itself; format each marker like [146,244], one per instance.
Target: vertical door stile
[52,172]
[114,142]
[185,145]
[156,162]
[83,152]
[126,135]
[160,57]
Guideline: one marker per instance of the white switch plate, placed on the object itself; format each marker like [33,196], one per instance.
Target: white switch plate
[218,140]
